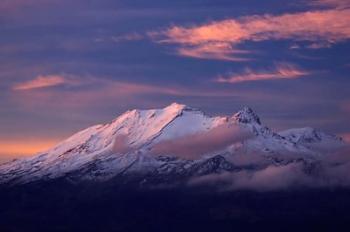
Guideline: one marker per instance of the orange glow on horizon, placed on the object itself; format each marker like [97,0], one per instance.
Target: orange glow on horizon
[19,149]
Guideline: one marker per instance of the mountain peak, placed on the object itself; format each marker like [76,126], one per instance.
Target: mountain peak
[247,115]
[172,109]
[179,108]
[133,141]
[176,106]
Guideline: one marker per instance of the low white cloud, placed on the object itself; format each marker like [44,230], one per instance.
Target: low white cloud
[194,146]
[331,170]
[270,178]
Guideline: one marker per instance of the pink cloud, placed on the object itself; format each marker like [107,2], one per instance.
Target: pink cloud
[41,82]
[219,39]
[215,50]
[282,71]
[37,92]
[124,88]
[104,91]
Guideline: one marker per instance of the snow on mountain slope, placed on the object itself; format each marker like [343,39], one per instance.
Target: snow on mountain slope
[265,140]
[136,128]
[102,152]
[308,135]
[192,121]
[313,138]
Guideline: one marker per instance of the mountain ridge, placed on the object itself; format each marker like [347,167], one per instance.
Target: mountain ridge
[134,142]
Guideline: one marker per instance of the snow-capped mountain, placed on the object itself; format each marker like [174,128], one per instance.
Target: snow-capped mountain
[150,145]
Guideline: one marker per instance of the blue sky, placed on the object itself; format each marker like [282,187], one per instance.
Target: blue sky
[65,65]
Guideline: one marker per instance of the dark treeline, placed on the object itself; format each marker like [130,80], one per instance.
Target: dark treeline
[100,207]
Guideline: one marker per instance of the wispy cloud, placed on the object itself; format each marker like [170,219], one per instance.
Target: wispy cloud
[220,39]
[340,4]
[89,94]
[282,71]
[41,82]
[39,90]
[193,146]
[104,90]
[215,50]
[128,37]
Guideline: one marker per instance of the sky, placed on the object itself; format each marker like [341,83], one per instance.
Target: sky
[66,65]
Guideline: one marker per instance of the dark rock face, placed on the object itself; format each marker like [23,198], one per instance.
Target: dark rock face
[247,115]
[179,172]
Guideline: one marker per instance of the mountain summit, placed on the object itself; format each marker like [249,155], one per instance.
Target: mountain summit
[247,115]
[174,143]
